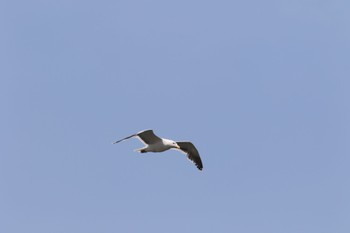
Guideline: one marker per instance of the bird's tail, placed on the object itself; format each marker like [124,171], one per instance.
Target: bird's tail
[141,150]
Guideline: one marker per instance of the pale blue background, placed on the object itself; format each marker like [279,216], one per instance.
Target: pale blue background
[260,87]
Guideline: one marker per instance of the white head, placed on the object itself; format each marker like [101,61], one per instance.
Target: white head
[171,143]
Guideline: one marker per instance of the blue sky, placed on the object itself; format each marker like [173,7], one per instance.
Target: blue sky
[260,87]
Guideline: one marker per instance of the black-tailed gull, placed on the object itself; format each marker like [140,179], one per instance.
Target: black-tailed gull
[156,144]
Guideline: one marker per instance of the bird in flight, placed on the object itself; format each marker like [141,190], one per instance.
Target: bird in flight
[153,143]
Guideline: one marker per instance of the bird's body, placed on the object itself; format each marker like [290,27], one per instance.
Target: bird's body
[160,146]
[155,144]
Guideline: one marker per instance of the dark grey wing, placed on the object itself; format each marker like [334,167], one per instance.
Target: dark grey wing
[125,138]
[148,137]
[192,153]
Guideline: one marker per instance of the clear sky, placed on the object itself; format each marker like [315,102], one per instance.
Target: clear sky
[260,87]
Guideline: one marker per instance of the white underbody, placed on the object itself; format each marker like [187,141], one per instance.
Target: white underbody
[160,146]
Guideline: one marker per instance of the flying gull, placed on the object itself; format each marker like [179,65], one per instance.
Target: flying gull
[153,143]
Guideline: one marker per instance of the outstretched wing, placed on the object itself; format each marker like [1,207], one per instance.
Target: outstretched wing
[146,136]
[192,153]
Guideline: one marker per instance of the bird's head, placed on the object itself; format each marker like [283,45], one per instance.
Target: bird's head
[174,145]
